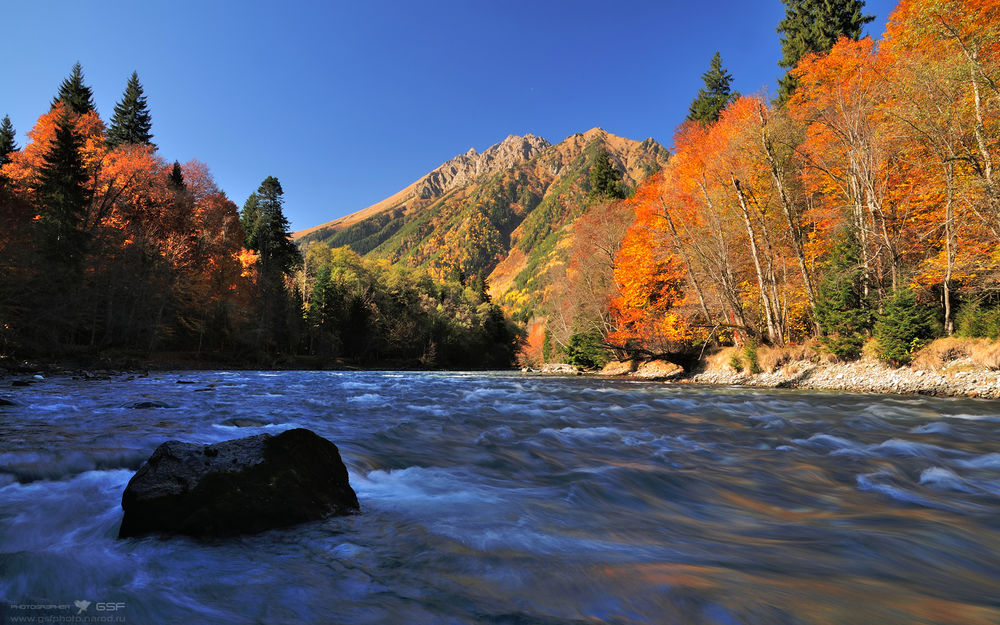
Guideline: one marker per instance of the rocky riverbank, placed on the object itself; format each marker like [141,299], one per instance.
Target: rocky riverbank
[864,377]
[945,368]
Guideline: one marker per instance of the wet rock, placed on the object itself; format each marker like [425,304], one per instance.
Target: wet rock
[6,402]
[619,367]
[236,487]
[659,370]
[245,422]
[22,382]
[139,405]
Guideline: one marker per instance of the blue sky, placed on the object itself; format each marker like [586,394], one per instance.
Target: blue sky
[347,102]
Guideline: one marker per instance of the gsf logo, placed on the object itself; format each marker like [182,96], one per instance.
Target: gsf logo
[108,606]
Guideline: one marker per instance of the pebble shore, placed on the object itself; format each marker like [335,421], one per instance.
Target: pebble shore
[865,377]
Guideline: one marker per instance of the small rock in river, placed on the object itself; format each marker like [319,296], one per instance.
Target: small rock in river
[146,404]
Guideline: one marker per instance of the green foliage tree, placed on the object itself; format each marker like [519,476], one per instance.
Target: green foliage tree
[7,140]
[63,196]
[586,349]
[267,229]
[715,96]
[812,27]
[78,96]
[605,180]
[131,123]
[841,310]
[176,177]
[903,327]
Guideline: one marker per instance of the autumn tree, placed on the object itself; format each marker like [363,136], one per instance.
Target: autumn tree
[131,122]
[7,139]
[716,95]
[75,94]
[812,27]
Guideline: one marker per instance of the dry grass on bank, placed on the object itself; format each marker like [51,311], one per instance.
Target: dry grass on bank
[950,351]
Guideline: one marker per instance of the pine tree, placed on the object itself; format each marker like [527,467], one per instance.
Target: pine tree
[7,136]
[841,310]
[176,177]
[266,228]
[78,96]
[131,123]
[63,197]
[604,178]
[902,328]
[716,95]
[813,26]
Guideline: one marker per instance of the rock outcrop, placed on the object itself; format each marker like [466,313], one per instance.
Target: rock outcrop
[235,487]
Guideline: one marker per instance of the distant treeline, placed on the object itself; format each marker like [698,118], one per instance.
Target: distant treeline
[106,247]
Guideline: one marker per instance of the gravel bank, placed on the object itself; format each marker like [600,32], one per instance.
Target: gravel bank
[957,380]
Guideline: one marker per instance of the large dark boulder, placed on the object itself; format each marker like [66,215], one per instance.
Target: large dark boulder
[236,487]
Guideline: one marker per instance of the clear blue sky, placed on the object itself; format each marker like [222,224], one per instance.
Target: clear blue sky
[347,102]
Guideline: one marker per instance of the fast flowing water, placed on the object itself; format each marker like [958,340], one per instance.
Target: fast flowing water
[517,500]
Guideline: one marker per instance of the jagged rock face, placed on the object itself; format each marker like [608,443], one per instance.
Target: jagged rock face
[469,167]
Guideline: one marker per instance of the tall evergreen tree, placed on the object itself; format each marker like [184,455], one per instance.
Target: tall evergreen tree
[131,123]
[63,196]
[7,136]
[841,309]
[716,95]
[78,96]
[813,26]
[266,228]
[604,178]
[176,177]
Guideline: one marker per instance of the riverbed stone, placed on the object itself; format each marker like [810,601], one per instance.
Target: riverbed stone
[240,486]
[619,367]
[659,370]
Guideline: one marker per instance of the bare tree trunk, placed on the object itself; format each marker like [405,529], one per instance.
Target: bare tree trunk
[764,298]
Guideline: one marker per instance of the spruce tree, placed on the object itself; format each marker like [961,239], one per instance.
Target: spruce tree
[131,123]
[813,26]
[63,196]
[903,327]
[78,96]
[176,177]
[716,95]
[266,228]
[7,136]
[605,180]
[841,309]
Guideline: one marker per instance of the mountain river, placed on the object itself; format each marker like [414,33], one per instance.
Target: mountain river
[514,499]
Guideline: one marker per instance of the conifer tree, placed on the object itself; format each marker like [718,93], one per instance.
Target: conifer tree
[176,177]
[7,136]
[716,95]
[841,309]
[7,144]
[604,178]
[78,96]
[813,26]
[266,228]
[63,197]
[131,123]
[902,328]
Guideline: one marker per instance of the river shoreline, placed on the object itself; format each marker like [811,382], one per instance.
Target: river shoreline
[863,377]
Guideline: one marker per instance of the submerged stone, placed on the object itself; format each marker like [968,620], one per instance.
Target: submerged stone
[236,487]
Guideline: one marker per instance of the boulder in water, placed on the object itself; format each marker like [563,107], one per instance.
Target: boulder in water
[236,487]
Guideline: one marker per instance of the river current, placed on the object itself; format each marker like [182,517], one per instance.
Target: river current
[510,499]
